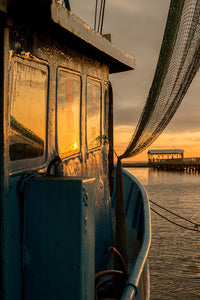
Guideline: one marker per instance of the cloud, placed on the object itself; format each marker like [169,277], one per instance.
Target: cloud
[186,140]
[126,116]
[137,27]
[184,122]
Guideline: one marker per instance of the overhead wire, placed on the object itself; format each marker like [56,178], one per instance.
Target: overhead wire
[100,16]
[95,14]
[100,13]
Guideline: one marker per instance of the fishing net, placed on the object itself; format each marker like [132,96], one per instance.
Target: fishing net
[178,62]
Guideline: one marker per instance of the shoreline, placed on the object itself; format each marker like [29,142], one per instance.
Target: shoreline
[135,164]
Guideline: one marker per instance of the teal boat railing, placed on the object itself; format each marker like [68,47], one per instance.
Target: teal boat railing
[138,220]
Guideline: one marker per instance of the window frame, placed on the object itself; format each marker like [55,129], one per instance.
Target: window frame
[35,162]
[86,117]
[105,106]
[66,156]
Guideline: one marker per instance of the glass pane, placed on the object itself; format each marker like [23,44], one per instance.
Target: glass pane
[68,112]
[28,111]
[93,113]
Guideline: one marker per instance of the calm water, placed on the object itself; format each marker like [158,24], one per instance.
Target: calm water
[175,252]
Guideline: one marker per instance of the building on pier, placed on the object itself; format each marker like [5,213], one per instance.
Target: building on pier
[158,155]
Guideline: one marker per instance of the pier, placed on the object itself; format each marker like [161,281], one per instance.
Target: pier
[179,164]
[189,165]
[168,160]
[135,164]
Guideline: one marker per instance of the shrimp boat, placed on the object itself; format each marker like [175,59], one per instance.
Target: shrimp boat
[58,193]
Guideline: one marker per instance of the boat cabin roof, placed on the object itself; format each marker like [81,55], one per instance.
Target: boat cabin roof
[73,32]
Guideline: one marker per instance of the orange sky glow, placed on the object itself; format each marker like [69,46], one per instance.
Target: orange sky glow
[137,28]
[187,141]
[183,132]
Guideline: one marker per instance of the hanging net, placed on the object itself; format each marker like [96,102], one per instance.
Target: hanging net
[177,65]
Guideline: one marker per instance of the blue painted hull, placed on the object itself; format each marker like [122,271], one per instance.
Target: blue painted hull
[138,225]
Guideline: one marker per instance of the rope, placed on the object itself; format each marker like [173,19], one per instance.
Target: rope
[123,273]
[120,216]
[196,227]
[99,284]
[106,139]
[118,255]
[183,218]
[107,272]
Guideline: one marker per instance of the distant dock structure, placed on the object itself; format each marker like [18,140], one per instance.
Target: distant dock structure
[158,155]
[172,160]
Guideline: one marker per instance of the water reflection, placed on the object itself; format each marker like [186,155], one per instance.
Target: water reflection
[28,110]
[68,112]
[93,113]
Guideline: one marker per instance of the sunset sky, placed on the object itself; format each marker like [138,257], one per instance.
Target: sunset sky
[137,27]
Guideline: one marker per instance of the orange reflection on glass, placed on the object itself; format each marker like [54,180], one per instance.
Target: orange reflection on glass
[28,110]
[68,112]
[93,113]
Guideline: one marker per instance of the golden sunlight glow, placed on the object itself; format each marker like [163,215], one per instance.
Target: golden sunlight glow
[188,141]
[75,146]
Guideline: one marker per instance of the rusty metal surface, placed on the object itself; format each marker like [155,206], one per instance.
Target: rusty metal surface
[3,5]
[54,19]
[119,60]
[71,44]
[36,47]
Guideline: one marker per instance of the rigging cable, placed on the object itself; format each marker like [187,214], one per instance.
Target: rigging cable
[100,13]
[99,28]
[106,139]
[102,18]
[95,15]
[183,218]
[195,228]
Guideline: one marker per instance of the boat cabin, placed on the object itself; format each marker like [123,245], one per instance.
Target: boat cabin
[55,155]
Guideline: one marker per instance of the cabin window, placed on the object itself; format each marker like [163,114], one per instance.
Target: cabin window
[93,113]
[68,112]
[28,110]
